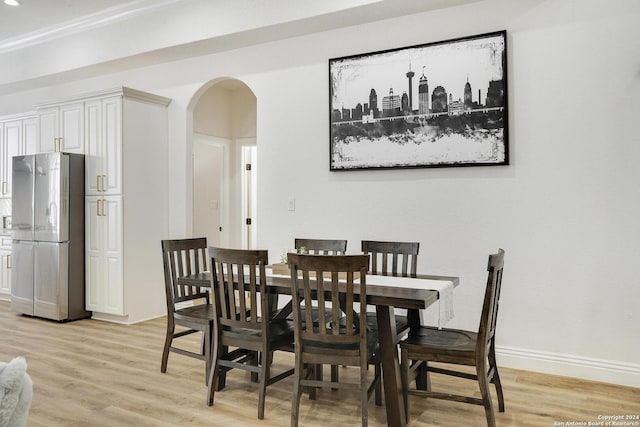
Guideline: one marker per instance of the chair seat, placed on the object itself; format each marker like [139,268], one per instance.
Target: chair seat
[372,343]
[460,345]
[315,315]
[277,329]
[402,323]
[437,338]
[202,313]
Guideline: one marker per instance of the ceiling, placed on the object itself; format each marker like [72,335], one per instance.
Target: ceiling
[35,15]
[47,41]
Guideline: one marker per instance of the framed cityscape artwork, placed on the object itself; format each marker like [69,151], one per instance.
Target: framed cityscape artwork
[433,105]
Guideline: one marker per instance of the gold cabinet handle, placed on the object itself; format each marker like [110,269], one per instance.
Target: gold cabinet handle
[98,207]
[97,182]
[4,187]
[104,179]
[9,262]
[59,145]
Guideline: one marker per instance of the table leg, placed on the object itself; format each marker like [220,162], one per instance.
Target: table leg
[394,402]
[414,317]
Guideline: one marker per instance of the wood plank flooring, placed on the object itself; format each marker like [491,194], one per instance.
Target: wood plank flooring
[92,373]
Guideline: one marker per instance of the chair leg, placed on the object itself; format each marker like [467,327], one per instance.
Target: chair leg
[207,352]
[256,362]
[485,391]
[315,373]
[167,343]
[214,378]
[378,390]
[221,377]
[422,377]
[496,377]
[297,391]
[364,396]
[404,376]
[264,376]
[334,375]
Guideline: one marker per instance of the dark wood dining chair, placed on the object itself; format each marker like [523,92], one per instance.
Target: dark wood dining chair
[243,320]
[393,259]
[460,347]
[315,280]
[322,247]
[182,258]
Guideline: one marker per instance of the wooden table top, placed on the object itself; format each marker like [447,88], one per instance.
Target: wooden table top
[377,294]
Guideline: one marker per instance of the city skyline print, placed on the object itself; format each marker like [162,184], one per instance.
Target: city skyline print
[439,104]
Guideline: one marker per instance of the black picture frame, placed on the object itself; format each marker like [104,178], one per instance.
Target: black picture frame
[434,120]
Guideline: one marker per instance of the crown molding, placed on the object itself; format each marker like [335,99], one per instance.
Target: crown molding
[84,23]
[117,91]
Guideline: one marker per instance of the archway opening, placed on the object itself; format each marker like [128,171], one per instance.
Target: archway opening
[224,164]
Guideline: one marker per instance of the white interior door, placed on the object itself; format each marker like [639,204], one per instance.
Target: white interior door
[210,202]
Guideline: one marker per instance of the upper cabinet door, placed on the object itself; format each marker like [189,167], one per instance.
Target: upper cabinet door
[93,147]
[17,138]
[30,136]
[61,129]
[103,145]
[48,120]
[72,128]
[11,144]
[112,145]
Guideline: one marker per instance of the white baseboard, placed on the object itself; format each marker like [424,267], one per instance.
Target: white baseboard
[608,371]
[123,320]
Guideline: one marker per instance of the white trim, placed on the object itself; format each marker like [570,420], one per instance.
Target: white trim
[608,371]
[84,23]
[19,116]
[126,92]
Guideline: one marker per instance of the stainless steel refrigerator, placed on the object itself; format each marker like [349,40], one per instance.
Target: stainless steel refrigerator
[48,278]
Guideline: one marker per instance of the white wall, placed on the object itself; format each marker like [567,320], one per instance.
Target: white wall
[566,210]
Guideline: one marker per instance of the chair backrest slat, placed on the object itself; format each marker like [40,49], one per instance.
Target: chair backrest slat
[403,257]
[489,316]
[239,282]
[183,257]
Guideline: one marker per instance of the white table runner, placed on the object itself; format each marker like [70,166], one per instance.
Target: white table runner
[443,287]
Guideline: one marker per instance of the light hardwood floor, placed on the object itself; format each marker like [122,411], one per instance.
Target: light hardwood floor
[92,373]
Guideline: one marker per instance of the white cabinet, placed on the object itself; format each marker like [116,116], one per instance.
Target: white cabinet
[10,146]
[103,249]
[5,269]
[61,128]
[103,144]
[126,160]
[18,136]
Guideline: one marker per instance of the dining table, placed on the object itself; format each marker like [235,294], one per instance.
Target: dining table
[411,293]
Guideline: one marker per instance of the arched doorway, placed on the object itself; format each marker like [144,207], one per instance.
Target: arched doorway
[224,164]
